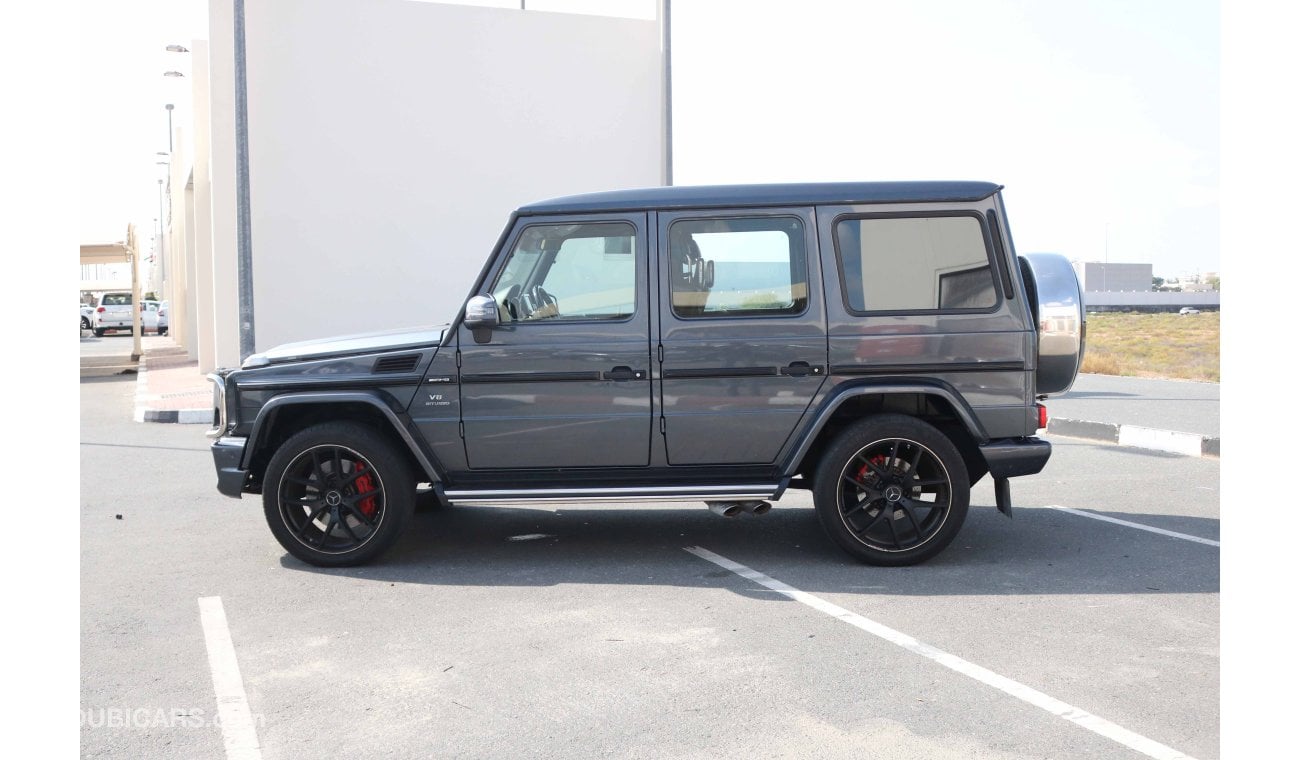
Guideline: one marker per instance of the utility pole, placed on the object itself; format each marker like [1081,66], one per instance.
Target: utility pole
[170,148]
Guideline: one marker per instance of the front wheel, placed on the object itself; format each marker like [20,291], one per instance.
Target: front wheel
[892,490]
[338,494]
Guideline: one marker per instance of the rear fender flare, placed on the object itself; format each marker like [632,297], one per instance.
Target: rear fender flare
[936,388]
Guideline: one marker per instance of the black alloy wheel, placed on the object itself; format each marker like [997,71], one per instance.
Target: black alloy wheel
[337,494]
[892,490]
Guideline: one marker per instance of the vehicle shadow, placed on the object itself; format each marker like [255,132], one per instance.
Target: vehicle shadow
[108,375]
[1041,551]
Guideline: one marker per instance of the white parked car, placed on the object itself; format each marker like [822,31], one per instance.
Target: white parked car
[162,318]
[148,316]
[86,312]
[113,312]
[1189,310]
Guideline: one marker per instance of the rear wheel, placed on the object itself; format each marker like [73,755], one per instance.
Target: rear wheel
[338,494]
[99,332]
[892,490]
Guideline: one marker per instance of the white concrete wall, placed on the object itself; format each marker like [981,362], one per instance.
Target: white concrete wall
[1150,298]
[390,139]
[202,221]
[180,312]
[221,167]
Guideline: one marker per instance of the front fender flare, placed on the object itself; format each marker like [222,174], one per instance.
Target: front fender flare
[395,420]
[826,410]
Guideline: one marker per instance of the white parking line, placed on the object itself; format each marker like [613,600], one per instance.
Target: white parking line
[1097,725]
[237,728]
[1139,526]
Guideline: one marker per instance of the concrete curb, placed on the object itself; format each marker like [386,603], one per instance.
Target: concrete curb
[143,400]
[1172,441]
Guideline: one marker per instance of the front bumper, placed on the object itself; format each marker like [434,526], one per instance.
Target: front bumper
[1013,457]
[227,454]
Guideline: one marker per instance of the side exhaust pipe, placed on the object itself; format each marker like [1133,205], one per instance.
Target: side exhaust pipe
[725,508]
[734,508]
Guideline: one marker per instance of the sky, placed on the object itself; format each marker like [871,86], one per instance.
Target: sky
[1101,118]
[122,97]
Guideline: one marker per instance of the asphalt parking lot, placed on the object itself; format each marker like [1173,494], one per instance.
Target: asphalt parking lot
[1087,626]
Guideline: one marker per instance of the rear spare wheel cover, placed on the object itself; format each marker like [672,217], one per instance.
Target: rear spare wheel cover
[1062,321]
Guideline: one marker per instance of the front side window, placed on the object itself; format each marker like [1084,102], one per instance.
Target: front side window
[741,267]
[935,263]
[570,272]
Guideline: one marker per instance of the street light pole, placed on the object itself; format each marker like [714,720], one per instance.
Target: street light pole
[162,237]
[170,148]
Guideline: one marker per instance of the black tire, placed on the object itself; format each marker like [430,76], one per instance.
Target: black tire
[892,490]
[99,332]
[338,494]
[85,323]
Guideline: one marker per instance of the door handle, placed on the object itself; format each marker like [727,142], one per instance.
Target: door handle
[801,369]
[625,373]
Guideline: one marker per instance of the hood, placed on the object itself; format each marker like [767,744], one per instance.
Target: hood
[345,345]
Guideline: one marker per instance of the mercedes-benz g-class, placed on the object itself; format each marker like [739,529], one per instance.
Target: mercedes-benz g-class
[879,344]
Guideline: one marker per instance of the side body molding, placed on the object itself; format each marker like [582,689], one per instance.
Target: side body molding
[325,398]
[844,392]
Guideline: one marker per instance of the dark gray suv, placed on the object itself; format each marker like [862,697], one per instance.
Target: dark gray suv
[879,344]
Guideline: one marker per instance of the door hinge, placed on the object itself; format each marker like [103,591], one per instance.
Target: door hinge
[462,429]
[661,353]
[663,426]
[458,358]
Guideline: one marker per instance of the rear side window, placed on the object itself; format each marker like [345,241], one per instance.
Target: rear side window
[739,267]
[915,263]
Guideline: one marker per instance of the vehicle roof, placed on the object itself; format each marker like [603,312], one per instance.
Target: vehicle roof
[733,196]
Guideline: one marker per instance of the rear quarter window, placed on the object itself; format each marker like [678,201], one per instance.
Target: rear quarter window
[934,263]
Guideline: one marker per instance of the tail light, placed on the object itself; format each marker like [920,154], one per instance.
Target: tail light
[1042,416]
[100,310]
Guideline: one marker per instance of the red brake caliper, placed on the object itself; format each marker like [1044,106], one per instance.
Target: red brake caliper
[879,461]
[365,484]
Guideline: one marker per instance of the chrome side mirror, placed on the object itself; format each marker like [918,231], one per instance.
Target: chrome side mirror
[481,313]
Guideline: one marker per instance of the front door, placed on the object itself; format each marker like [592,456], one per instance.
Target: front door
[564,381]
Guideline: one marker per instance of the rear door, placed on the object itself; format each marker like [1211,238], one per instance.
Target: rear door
[565,380]
[743,331]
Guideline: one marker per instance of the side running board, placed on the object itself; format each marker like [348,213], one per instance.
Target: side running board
[744,492]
